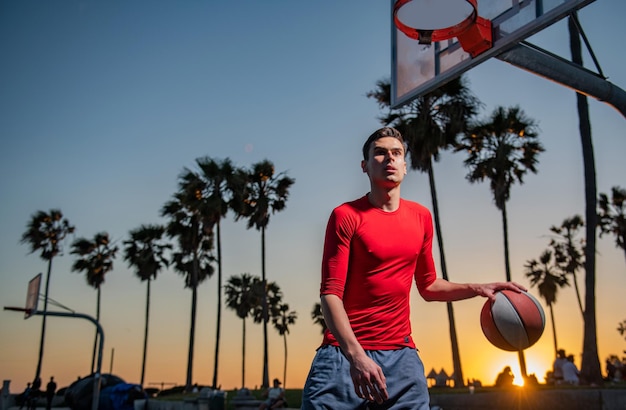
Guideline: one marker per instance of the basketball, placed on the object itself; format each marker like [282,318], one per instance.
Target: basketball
[514,322]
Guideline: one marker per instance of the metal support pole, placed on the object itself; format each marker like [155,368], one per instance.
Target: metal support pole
[566,73]
[96,378]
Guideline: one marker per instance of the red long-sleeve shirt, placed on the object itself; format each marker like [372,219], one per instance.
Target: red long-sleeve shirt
[370,260]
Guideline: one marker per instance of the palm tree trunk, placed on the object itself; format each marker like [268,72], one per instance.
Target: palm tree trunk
[266,378]
[43,322]
[590,370]
[580,303]
[459,380]
[192,328]
[145,334]
[192,335]
[243,355]
[219,305]
[507,266]
[95,339]
[505,231]
[285,363]
[556,344]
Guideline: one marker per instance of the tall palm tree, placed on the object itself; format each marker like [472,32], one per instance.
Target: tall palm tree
[546,275]
[569,250]
[281,323]
[502,149]
[431,123]
[318,316]
[265,193]
[243,295]
[145,251]
[95,260]
[45,232]
[590,371]
[621,328]
[193,257]
[215,181]
[612,216]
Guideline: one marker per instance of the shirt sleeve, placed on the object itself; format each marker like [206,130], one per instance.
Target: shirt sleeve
[335,259]
[425,273]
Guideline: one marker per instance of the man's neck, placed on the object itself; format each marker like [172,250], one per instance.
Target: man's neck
[386,199]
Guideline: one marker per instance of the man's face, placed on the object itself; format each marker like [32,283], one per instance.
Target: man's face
[386,164]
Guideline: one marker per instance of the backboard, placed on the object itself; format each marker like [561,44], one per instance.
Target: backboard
[417,68]
[32,296]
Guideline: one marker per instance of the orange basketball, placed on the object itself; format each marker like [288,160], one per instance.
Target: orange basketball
[514,322]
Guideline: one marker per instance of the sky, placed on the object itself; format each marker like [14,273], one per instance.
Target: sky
[102,105]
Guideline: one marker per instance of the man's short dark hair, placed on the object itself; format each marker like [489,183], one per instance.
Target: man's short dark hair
[381,133]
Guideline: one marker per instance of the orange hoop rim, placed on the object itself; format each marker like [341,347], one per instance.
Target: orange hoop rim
[427,36]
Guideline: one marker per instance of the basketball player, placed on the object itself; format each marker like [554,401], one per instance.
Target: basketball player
[374,248]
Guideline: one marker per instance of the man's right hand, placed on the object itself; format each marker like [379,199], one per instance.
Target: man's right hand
[368,378]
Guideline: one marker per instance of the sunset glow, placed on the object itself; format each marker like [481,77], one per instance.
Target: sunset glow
[104,103]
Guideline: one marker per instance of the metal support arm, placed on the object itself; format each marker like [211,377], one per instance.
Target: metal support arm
[564,72]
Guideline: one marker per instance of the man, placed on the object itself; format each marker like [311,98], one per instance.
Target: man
[51,388]
[374,248]
[275,397]
[505,378]
[35,392]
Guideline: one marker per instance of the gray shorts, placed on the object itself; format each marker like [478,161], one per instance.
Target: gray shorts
[329,385]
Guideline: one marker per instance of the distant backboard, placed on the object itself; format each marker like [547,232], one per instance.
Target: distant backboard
[32,296]
[417,68]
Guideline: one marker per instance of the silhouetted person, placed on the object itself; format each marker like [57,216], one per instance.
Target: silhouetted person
[51,388]
[275,397]
[505,378]
[610,370]
[570,371]
[34,394]
[531,380]
[557,367]
[25,396]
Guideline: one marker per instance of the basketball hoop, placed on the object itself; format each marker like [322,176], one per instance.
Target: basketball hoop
[438,20]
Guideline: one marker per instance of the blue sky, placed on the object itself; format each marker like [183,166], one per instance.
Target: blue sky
[102,104]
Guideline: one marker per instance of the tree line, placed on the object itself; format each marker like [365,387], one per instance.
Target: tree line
[190,242]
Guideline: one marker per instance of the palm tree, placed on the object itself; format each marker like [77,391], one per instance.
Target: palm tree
[145,251]
[431,123]
[568,250]
[95,259]
[193,258]
[281,323]
[502,149]
[612,216]
[265,193]
[45,232]
[215,180]
[546,275]
[318,316]
[590,371]
[621,328]
[243,295]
